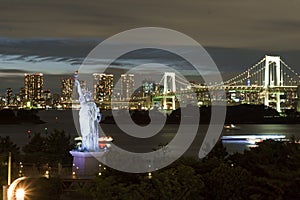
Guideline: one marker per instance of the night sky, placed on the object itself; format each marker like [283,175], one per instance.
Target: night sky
[53,37]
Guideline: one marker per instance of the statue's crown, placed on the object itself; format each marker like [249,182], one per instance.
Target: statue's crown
[87,93]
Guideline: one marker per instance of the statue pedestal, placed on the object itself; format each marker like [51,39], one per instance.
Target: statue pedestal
[86,163]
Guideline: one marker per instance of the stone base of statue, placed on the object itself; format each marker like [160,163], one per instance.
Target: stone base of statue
[86,163]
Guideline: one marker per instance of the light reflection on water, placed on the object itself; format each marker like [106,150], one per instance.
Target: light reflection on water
[63,120]
[245,142]
[262,131]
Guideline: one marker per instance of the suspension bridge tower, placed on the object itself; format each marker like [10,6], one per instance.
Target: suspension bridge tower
[270,82]
[273,78]
[169,90]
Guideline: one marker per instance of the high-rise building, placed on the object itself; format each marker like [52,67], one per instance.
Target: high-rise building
[103,86]
[148,87]
[127,86]
[34,86]
[47,96]
[8,96]
[22,94]
[67,89]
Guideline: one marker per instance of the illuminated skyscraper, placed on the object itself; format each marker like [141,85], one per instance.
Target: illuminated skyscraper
[103,86]
[148,87]
[47,96]
[67,89]
[8,96]
[34,86]
[127,86]
[22,94]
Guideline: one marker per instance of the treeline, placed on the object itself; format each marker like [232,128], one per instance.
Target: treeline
[9,116]
[245,113]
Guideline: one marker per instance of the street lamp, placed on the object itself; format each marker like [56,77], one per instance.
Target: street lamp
[11,192]
[20,194]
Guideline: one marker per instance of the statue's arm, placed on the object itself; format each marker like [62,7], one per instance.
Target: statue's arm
[77,84]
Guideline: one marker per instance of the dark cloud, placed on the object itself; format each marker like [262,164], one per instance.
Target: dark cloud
[266,25]
[74,51]
[47,47]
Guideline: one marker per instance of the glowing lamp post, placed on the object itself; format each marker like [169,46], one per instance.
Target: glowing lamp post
[20,194]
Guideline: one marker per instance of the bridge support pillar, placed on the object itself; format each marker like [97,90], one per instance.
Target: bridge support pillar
[165,103]
[277,100]
[273,77]
[278,108]
[169,87]
[173,103]
[266,98]
[298,100]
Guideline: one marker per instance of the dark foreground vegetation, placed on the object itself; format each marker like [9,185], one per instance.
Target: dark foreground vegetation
[270,171]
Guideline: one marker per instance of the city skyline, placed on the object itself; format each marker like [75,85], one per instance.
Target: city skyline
[270,82]
[12,73]
[234,33]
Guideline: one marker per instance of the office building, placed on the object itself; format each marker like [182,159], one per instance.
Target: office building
[103,87]
[8,96]
[127,86]
[148,87]
[34,86]
[67,89]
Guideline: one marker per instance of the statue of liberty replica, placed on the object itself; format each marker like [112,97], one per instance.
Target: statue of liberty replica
[89,118]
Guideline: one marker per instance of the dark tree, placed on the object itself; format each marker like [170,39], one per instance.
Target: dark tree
[52,149]
[58,146]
